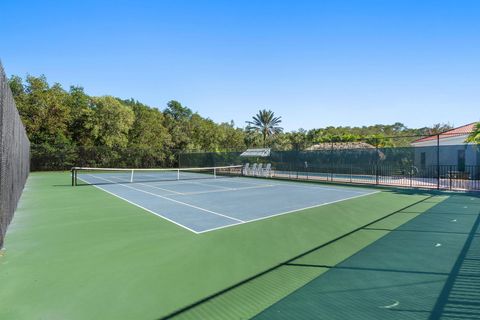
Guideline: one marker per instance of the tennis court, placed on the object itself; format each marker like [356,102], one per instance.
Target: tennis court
[207,199]
[341,252]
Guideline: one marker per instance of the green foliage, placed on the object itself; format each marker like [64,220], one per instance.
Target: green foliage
[177,111]
[438,128]
[69,128]
[233,138]
[475,135]
[298,139]
[43,109]
[265,123]
[147,128]
[81,122]
[111,122]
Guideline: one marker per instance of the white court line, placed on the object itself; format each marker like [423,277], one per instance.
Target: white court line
[241,181]
[208,185]
[169,199]
[182,182]
[303,185]
[393,305]
[240,221]
[148,185]
[139,206]
[291,211]
[179,182]
[227,190]
[296,184]
[348,190]
[223,189]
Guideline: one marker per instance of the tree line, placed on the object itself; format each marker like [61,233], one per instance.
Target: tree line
[69,127]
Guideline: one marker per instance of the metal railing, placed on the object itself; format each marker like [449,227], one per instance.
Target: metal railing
[445,177]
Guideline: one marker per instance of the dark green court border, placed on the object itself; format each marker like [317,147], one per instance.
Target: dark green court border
[453,294]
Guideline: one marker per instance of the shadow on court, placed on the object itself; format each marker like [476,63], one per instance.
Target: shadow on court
[428,268]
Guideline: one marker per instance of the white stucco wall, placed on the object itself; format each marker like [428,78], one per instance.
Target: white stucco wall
[449,147]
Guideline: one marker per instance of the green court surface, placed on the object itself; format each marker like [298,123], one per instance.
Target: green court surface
[81,253]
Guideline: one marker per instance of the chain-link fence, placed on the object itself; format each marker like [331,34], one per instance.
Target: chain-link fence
[440,162]
[443,161]
[15,155]
[64,157]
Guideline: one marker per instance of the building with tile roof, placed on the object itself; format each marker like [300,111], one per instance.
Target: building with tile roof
[454,136]
[453,156]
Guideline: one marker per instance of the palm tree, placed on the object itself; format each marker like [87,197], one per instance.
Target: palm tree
[475,134]
[266,123]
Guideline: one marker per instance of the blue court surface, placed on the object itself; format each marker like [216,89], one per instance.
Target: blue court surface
[202,205]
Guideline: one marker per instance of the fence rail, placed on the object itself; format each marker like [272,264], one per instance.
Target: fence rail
[415,167]
[450,177]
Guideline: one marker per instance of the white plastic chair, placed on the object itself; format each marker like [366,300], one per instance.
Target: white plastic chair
[259,170]
[246,167]
[253,170]
[268,170]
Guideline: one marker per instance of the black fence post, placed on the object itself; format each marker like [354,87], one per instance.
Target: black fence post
[331,162]
[438,161]
[377,162]
[450,177]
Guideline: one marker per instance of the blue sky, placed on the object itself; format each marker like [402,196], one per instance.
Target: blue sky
[315,63]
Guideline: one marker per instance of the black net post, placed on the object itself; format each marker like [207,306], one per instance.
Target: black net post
[74,176]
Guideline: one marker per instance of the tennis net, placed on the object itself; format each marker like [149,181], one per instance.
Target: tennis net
[95,176]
